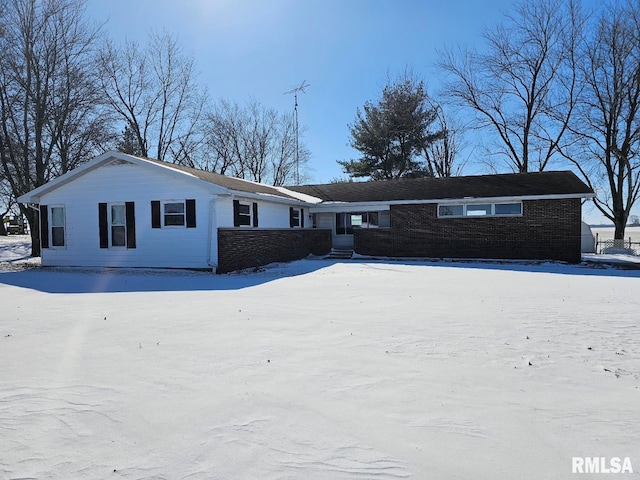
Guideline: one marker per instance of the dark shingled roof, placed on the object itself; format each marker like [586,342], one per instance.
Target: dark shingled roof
[480,186]
[232,183]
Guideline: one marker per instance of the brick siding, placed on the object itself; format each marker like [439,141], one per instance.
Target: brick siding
[547,230]
[245,248]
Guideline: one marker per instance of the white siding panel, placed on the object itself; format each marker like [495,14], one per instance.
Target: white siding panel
[270,214]
[325,220]
[164,247]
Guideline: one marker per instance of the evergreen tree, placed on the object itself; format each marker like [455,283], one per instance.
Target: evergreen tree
[394,134]
[129,143]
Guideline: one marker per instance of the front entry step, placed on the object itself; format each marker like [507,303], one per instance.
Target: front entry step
[339,253]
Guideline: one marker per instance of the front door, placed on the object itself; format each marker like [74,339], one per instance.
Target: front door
[343,231]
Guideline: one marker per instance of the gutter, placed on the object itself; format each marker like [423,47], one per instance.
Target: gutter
[331,206]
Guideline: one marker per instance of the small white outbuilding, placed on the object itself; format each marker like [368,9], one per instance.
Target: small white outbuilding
[588,243]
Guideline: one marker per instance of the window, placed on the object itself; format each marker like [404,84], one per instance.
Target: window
[174,214]
[369,220]
[347,222]
[245,214]
[451,210]
[118,225]
[296,217]
[508,208]
[57,226]
[480,209]
[343,224]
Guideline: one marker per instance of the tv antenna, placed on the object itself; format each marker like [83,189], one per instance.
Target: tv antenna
[303,86]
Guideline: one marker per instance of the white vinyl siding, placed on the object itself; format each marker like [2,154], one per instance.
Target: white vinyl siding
[271,214]
[114,184]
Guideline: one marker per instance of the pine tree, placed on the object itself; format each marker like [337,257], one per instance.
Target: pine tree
[129,143]
[393,134]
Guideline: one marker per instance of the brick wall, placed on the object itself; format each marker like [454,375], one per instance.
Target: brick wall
[547,230]
[244,248]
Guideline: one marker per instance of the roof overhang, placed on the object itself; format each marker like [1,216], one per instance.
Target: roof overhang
[384,205]
[109,157]
[265,197]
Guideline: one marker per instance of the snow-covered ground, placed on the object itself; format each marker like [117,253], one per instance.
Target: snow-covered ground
[607,233]
[318,370]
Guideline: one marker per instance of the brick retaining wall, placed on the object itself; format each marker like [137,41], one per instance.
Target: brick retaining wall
[244,248]
[547,230]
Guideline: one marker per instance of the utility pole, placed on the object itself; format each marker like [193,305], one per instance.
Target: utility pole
[295,91]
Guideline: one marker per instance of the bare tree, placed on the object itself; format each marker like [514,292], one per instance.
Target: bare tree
[284,158]
[7,202]
[522,86]
[252,142]
[153,91]
[442,153]
[606,129]
[49,113]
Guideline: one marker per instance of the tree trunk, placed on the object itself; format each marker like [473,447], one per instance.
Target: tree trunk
[33,218]
[3,231]
[620,224]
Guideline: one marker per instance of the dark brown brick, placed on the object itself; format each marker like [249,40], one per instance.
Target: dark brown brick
[245,248]
[547,230]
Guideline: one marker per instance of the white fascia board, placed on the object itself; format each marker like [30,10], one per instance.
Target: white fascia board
[448,201]
[303,197]
[267,197]
[340,207]
[34,195]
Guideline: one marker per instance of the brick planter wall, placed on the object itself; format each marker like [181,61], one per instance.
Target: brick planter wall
[547,230]
[245,248]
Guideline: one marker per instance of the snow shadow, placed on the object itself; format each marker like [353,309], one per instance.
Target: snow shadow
[116,280]
[558,268]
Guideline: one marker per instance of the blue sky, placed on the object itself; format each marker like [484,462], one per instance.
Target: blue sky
[342,48]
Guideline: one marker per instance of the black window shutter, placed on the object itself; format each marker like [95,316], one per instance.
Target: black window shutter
[131,224]
[236,213]
[44,226]
[291,217]
[302,218]
[255,214]
[155,214]
[103,224]
[191,213]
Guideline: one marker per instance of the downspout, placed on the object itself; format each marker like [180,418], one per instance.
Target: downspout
[212,218]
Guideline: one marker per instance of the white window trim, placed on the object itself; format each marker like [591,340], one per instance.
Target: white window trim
[110,225]
[491,215]
[250,205]
[51,226]
[184,213]
[299,210]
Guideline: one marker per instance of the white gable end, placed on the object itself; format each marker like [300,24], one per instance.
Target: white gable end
[121,182]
